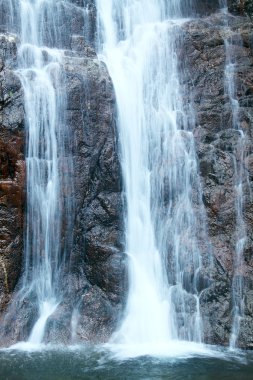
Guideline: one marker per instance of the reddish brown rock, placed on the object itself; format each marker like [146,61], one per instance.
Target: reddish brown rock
[204,56]
[12,171]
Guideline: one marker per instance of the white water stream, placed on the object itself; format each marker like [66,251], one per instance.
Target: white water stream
[240,180]
[139,41]
[41,77]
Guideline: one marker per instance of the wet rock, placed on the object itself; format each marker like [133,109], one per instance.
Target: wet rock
[215,304]
[12,170]
[98,318]
[242,7]
[74,17]
[98,247]
[204,7]
[92,241]
[17,326]
[219,154]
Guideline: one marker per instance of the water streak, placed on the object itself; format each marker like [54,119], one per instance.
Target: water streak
[40,72]
[139,42]
[48,211]
[233,40]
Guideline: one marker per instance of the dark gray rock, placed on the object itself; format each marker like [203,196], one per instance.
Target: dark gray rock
[12,170]
[242,7]
[97,256]
[74,17]
[203,63]
[92,242]
[205,7]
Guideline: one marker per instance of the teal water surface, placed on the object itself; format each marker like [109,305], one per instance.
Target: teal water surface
[75,364]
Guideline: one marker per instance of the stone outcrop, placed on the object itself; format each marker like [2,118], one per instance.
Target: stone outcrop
[96,277]
[12,170]
[219,152]
[236,7]
[241,7]
[205,7]
[92,243]
[65,20]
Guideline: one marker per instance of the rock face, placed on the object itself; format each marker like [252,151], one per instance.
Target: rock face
[219,153]
[205,7]
[94,277]
[65,19]
[93,241]
[241,7]
[96,262]
[12,170]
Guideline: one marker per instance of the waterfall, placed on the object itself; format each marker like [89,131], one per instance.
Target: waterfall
[40,71]
[141,43]
[240,179]
[138,41]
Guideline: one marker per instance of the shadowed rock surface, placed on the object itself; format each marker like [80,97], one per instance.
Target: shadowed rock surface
[69,18]
[94,279]
[241,7]
[96,262]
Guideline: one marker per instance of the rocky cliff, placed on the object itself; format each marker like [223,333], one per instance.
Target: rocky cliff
[241,7]
[219,152]
[94,278]
[12,170]
[95,275]
[91,178]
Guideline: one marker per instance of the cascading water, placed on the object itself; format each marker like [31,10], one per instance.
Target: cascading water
[40,75]
[240,179]
[39,69]
[138,42]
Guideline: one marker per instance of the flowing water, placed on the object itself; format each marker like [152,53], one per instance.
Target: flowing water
[165,221]
[138,41]
[39,68]
[40,74]
[241,178]
[160,334]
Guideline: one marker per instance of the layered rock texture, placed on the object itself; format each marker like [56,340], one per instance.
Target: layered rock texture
[95,274]
[12,170]
[92,242]
[220,152]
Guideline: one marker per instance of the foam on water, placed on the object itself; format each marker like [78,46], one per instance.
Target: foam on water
[139,42]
